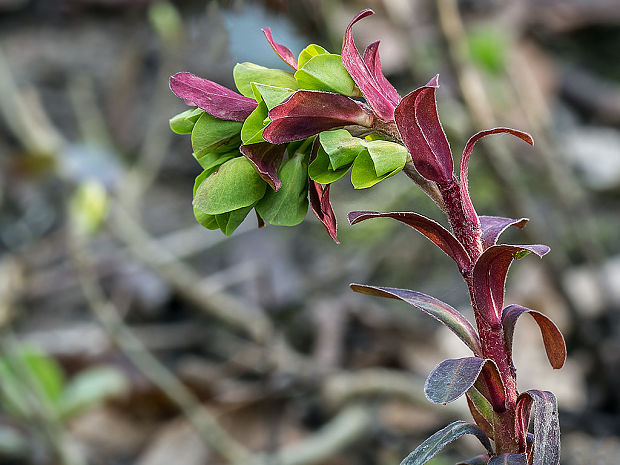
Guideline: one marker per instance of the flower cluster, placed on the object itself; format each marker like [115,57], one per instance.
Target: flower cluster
[285,136]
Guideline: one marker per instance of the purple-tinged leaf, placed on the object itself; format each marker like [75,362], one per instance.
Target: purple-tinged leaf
[552,337]
[418,123]
[478,460]
[493,226]
[373,62]
[491,386]
[489,276]
[439,310]
[282,51]
[429,448]
[509,459]
[307,113]
[363,77]
[546,425]
[213,98]
[470,211]
[481,411]
[267,159]
[322,208]
[436,233]
[452,378]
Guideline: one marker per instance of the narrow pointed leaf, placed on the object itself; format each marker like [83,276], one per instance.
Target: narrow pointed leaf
[436,233]
[247,73]
[418,123]
[470,211]
[552,337]
[326,72]
[429,448]
[509,459]
[478,460]
[493,226]
[546,425]
[236,184]
[373,62]
[282,51]
[489,276]
[267,159]
[491,386]
[365,80]
[322,208]
[307,113]
[481,411]
[289,205]
[213,98]
[439,310]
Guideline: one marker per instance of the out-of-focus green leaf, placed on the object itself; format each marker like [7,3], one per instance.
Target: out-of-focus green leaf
[488,47]
[90,387]
[166,20]
[235,185]
[289,205]
[212,135]
[245,74]
[326,72]
[310,52]
[184,122]
[89,206]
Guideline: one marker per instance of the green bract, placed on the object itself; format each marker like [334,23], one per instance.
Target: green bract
[272,95]
[183,123]
[236,184]
[309,52]
[246,73]
[326,72]
[213,136]
[341,147]
[287,206]
[374,164]
[321,171]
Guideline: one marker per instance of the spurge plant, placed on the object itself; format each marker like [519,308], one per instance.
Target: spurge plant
[288,135]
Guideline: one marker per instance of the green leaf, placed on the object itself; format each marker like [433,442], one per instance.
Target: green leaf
[364,174]
[488,47]
[44,370]
[386,156]
[289,205]
[341,147]
[326,73]
[184,122]
[442,438]
[214,136]
[271,95]
[252,130]
[228,222]
[320,170]
[236,184]
[246,73]
[90,387]
[204,219]
[310,52]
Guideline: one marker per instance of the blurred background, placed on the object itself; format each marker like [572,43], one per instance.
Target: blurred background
[130,335]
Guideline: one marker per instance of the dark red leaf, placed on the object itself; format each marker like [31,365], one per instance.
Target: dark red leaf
[213,98]
[373,62]
[552,337]
[282,51]
[491,386]
[470,211]
[509,459]
[489,276]
[436,233]
[267,159]
[418,123]
[322,208]
[365,80]
[439,310]
[306,113]
[546,425]
[493,226]
[478,460]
